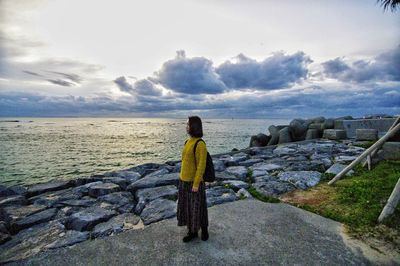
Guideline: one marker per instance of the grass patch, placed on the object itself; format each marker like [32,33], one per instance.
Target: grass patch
[355,201]
[262,197]
[366,145]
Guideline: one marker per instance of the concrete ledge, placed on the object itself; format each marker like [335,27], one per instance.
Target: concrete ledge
[382,125]
[245,232]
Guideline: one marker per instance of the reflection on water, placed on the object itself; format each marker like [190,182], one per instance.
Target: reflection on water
[65,148]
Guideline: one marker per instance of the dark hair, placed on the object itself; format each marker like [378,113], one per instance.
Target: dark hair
[195,127]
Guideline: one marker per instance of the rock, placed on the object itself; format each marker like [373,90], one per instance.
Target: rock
[233,160]
[264,178]
[30,241]
[148,194]
[85,180]
[121,182]
[319,119]
[86,219]
[274,132]
[243,193]
[71,237]
[116,225]
[237,184]
[52,198]
[257,173]
[103,189]
[334,134]
[84,189]
[219,165]
[238,171]
[317,126]
[146,168]
[12,213]
[337,168]
[301,179]
[220,176]
[329,123]
[285,135]
[161,171]
[49,186]
[4,237]
[118,198]
[78,203]
[344,159]
[298,127]
[12,200]
[306,166]
[259,140]
[265,167]
[154,181]
[312,134]
[366,134]
[250,162]
[157,210]
[273,188]
[11,191]
[33,219]
[129,176]
[219,195]
[283,150]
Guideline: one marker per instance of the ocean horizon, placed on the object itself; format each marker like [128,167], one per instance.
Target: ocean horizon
[39,149]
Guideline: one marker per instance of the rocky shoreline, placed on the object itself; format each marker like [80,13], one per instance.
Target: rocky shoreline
[62,213]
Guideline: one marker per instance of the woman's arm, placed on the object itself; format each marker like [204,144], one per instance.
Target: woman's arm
[201,159]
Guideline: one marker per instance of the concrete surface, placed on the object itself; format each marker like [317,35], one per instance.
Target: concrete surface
[382,125]
[245,232]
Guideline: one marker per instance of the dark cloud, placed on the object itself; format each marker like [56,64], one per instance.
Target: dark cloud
[384,67]
[189,75]
[123,84]
[146,87]
[61,82]
[305,102]
[275,72]
[72,77]
[32,73]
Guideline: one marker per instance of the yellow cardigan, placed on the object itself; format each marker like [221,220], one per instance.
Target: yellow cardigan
[189,171]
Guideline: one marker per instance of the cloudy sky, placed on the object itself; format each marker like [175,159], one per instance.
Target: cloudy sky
[215,58]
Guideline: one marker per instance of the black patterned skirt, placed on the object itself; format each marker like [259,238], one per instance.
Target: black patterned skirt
[192,206]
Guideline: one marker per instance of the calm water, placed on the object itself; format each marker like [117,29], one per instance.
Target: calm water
[66,148]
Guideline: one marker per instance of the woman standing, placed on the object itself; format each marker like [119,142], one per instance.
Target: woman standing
[192,203]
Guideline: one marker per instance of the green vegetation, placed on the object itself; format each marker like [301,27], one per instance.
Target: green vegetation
[262,197]
[366,145]
[249,176]
[355,201]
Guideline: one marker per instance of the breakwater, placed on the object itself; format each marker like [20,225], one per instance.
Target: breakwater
[57,214]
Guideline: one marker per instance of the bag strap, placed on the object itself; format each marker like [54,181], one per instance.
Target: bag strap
[194,150]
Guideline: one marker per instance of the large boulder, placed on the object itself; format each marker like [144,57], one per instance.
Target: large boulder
[86,219]
[337,168]
[285,135]
[273,188]
[146,195]
[274,133]
[53,198]
[298,128]
[154,181]
[329,123]
[49,186]
[12,200]
[259,140]
[334,134]
[219,195]
[157,210]
[71,237]
[103,189]
[37,218]
[239,171]
[116,225]
[301,179]
[312,134]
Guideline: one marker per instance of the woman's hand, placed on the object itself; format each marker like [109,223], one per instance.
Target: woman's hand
[195,189]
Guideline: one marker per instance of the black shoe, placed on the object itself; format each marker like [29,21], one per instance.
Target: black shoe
[204,234]
[189,237]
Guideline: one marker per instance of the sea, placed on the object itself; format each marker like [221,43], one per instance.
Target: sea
[36,150]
